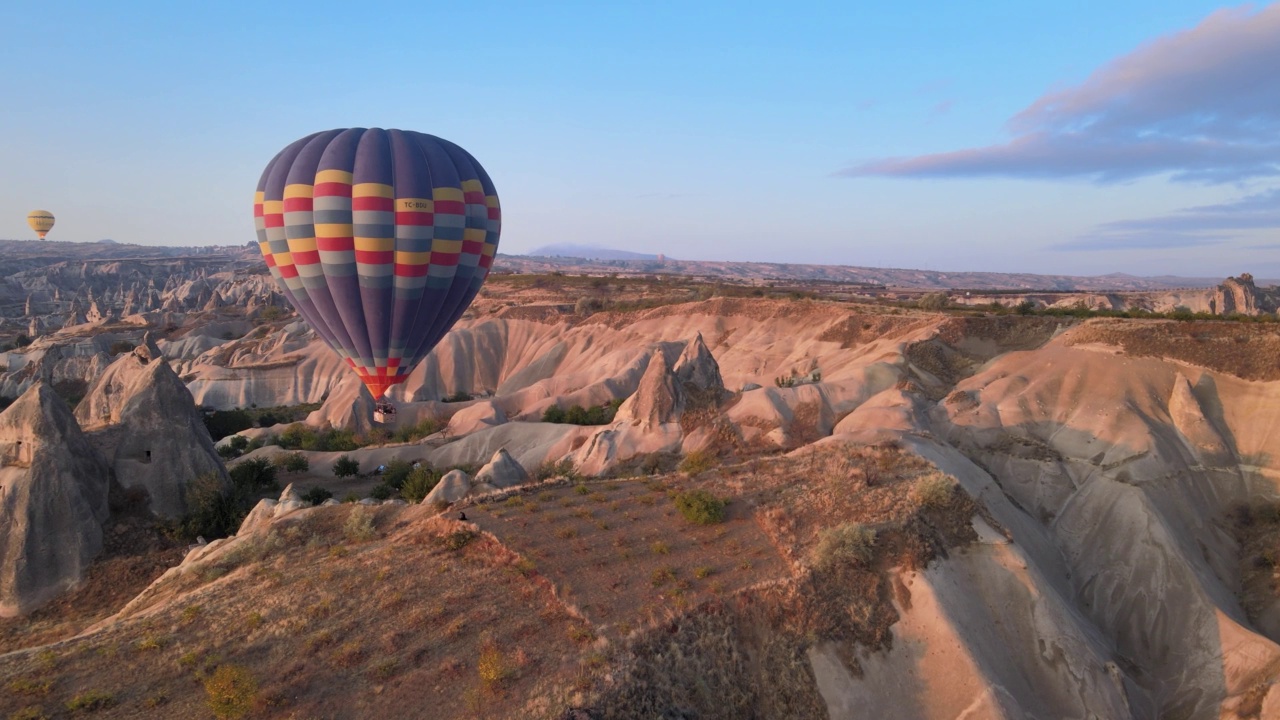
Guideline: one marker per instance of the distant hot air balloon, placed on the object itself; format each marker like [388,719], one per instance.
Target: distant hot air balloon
[41,221]
[380,239]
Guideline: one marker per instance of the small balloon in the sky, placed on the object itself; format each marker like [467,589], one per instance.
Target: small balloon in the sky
[41,221]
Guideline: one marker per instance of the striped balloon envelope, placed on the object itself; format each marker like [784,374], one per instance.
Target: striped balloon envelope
[41,221]
[380,239]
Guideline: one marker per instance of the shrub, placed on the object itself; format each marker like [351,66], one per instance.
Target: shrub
[230,692]
[346,466]
[396,473]
[382,491]
[213,509]
[351,497]
[700,507]
[254,476]
[850,543]
[492,666]
[933,490]
[934,301]
[317,495]
[292,462]
[696,462]
[222,423]
[91,701]
[549,470]
[416,432]
[1026,307]
[359,525]
[458,539]
[460,396]
[31,712]
[578,415]
[235,447]
[420,483]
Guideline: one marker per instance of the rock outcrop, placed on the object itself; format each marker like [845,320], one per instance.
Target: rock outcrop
[162,443]
[660,399]
[698,368]
[502,471]
[452,487]
[53,500]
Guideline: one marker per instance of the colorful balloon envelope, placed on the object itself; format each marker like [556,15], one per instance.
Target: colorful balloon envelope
[41,221]
[380,239]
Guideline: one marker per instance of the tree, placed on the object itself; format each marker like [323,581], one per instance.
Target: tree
[346,466]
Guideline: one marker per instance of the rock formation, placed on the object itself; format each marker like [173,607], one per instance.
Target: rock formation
[698,368]
[660,399]
[502,471]
[162,443]
[452,487]
[53,500]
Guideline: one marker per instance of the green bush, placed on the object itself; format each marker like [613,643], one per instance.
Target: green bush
[91,701]
[578,415]
[213,509]
[222,423]
[301,437]
[235,447]
[416,432]
[850,543]
[419,484]
[359,525]
[346,466]
[293,462]
[460,396]
[254,476]
[317,495]
[230,692]
[934,490]
[396,473]
[696,462]
[700,507]
[382,491]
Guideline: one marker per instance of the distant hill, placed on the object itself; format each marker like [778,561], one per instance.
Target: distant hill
[588,252]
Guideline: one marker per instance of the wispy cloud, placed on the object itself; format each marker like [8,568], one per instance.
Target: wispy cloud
[1190,227]
[1202,105]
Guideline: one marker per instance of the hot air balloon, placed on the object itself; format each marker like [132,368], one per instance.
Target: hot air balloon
[380,239]
[41,221]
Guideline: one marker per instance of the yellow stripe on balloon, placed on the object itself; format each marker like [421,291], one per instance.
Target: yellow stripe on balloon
[372,190]
[472,186]
[259,197]
[489,249]
[333,176]
[415,205]
[375,244]
[272,207]
[446,246]
[283,259]
[447,193]
[491,201]
[334,230]
[412,258]
[302,244]
[298,190]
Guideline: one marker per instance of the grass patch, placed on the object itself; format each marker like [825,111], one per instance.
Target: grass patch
[700,507]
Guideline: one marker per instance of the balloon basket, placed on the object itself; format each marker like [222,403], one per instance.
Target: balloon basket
[384,413]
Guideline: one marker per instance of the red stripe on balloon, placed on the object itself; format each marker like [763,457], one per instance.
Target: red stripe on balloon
[336,244]
[297,204]
[306,257]
[374,257]
[288,271]
[273,220]
[450,207]
[474,197]
[257,209]
[472,247]
[415,218]
[411,270]
[439,258]
[373,203]
[331,189]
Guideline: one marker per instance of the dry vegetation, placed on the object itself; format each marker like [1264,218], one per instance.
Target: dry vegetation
[599,595]
[1246,350]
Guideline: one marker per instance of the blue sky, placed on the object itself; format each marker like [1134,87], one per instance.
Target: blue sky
[1102,137]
